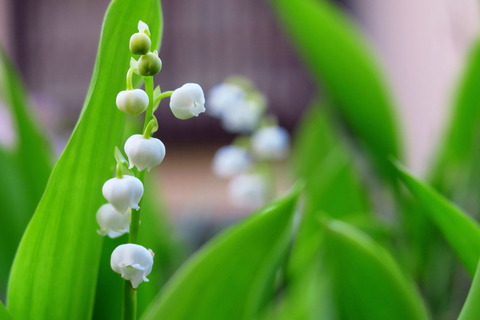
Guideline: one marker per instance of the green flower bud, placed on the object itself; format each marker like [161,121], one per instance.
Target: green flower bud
[149,65]
[140,43]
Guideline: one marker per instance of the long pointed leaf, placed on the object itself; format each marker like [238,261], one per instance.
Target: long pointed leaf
[339,60]
[471,308]
[460,231]
[4,315]
[54,272]
[230,276]
[368,283]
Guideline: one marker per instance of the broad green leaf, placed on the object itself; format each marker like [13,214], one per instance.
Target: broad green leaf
[332,186]
[24,172]
[460,231]
[367,281]
[33,152]
[314,139]
[55,269]
[458,156]
[13,213]
[4,315]
[231,275]
[471,308]
[339,60]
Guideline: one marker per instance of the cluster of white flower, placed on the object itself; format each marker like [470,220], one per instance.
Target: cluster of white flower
[241,110]
[125,190]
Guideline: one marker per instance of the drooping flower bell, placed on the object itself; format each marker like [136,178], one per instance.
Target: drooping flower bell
[133,262]
[144,153]
[248,190]
[132,102]
[242,117]
[271,143]
[187,101]
[111,222]
[222,97]
[123,193]
[231,160]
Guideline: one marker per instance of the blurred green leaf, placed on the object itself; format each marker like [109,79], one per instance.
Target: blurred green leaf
[460,231]
[55,269]
[4,315]
[459,154]
[471,308]
[332,186]
[33,152]
[337,57]
[230,277]
[24,171]
[367,281]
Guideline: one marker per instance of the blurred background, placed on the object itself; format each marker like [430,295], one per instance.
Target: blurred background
[421,45]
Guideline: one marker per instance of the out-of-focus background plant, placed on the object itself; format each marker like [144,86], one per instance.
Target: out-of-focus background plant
[370,91]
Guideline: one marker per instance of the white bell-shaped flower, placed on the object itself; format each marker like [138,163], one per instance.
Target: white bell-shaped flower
[242,117]
[144,153]
[271,143]
[111,222]
[187,101]
[248,190]
[231,160]
[123,193]
[133,262]
[133,102]
[222,97]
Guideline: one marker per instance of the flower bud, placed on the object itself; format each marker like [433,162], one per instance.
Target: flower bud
[140,43]
[123,193]
[133,102]
[149,65]
[133,262]
[270,143]
[231,160]
[222,97]
[111,222]
[248,190]
[187,101]
[144,153]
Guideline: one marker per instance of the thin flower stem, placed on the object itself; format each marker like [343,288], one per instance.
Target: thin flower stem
[159,98]
[130,306]
[129,79]
[130,296]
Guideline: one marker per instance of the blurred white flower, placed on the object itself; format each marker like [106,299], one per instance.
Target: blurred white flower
[133,262]
[248,190]
[271,143]
[231,160]
[242,117]
[144,153]
[133,102]
[111,222]
[187,101]
[222,97]
[123,193]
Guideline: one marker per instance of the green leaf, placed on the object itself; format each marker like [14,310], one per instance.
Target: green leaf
[4,315]
[337,57]
[471,308]
[55,269]
[458,154]
[367,281]
[460,231]
[332,187]
[24,171]
[231,275]
[33,152]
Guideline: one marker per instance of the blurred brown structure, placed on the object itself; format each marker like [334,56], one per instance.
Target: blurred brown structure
[54,42]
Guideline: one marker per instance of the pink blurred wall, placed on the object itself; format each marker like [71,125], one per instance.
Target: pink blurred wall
[423,46]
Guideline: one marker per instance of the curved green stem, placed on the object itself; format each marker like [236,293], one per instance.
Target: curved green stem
[130,306]
[130,79]
[159,98]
